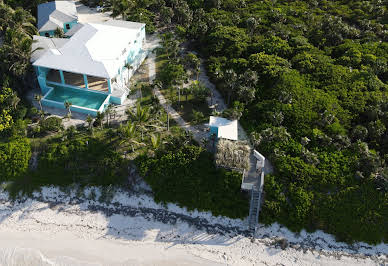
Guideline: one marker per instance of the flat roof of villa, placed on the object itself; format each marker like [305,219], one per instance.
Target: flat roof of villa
[54,14]
[227,129]
[74,29]
[94,49]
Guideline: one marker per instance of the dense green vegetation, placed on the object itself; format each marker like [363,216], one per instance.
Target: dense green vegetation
[85,160]
[186,175]
[14,157]
[311,77]
[308,78]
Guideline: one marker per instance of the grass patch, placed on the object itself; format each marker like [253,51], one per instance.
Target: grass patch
[186,110]
[160,60]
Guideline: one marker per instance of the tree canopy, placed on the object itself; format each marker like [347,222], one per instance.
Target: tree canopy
[316,105]
[309,80]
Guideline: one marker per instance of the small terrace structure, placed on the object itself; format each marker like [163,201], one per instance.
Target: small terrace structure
[223,128]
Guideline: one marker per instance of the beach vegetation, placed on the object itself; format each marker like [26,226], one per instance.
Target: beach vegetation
[187,176]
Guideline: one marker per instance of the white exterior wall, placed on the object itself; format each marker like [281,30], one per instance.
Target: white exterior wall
[122,78]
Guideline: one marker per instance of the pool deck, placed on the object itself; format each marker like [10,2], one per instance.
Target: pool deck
[78,119]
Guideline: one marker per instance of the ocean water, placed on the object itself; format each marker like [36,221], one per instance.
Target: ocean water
[33,257]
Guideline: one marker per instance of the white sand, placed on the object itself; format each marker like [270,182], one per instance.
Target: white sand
[67,246]
[42,233]
[90,15]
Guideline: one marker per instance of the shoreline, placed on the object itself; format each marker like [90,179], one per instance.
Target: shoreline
[169,232]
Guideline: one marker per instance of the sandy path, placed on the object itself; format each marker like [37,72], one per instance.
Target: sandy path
[90,15]
[198,132]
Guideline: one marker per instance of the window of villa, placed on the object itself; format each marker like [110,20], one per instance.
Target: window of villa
[46,34]
[68,26]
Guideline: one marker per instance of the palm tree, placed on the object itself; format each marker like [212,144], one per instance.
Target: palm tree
[139,87]
[38,98]
[108,112]
[166,42]
[231,82]
[156,141]
[67,106]
[17,46]
[129,67]
[121,7]
[140,117]
[168,102]
[128,133]
[13,100]
[41,114]
[179,93]
[174,48]
[111,133]
[197,69]
[18,20]
[100,118]
[59,33]
[89,120]
[251,25]
[114,113]
[158,85]
[194,63]
[188,90]
[17,28]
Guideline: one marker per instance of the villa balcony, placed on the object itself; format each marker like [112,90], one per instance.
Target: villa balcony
[77,80]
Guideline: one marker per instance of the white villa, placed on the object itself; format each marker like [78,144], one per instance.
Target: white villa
[90,69]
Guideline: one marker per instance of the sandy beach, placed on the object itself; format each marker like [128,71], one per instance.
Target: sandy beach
[68,248]
[54,227]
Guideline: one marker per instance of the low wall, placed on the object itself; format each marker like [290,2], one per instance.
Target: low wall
[75,108]
[115,100]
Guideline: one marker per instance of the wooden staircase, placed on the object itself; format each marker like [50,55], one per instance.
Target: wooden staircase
[255,203]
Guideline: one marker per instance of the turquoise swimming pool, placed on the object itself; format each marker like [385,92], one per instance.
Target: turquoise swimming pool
[86,99]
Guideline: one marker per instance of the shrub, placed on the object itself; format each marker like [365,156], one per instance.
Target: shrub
[198,116]
[200,91]
[186,175]
[86,161]
[14,158]
[51,124]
